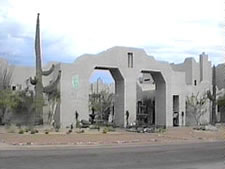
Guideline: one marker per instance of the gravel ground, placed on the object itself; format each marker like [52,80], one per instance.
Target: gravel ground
[120,136]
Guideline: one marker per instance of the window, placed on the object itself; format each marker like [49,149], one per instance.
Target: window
[218,108]
[130,59]
[13,88]
[195,82]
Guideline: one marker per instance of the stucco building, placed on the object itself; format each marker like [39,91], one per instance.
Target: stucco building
[169,84]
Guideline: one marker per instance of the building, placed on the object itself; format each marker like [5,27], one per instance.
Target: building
[136,75]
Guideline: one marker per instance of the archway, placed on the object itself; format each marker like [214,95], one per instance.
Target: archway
[119,96]
[159,97]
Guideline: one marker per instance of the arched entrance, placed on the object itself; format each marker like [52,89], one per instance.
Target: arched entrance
[119,106]
[159,113]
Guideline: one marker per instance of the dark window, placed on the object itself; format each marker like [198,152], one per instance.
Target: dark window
[130,59]
[218,108]
[13,88]
[195,82]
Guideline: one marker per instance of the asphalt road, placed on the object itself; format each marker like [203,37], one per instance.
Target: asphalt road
[185,156]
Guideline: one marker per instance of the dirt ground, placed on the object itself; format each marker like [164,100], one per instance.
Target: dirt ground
[120,136]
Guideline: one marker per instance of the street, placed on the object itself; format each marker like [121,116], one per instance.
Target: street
[181,156]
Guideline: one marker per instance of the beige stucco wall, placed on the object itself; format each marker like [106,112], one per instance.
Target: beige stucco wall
[171,79]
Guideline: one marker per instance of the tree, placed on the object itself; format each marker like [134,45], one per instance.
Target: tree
[53,100]
[196,106]
[5,75]
[101,104]
[8,102]
[6,95]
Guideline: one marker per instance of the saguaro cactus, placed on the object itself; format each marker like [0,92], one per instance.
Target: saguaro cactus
[37,80]
[212,96]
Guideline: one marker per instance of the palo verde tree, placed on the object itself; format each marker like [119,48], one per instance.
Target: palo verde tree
[7,99]
[101,103]
[196,106]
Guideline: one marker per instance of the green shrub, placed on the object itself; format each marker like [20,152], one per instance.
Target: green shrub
[12,129]
[80,131]
[105,130]
[47,131]
[21,131]
[32,131]
[111,129]
[69,131]
[26,130]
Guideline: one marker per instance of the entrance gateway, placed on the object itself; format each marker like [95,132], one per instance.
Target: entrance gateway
[125,65]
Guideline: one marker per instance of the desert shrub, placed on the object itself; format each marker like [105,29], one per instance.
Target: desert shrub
[11,129]
[47,131]
[105,130]
[32,131]
[80,131]
[26,130]
[111,129]
[21,131]
[69,131]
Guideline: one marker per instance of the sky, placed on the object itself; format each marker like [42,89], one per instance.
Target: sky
[168,30]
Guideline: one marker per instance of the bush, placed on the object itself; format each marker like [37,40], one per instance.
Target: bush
[160,130]
[32,131]
[69,131]
[111,129]
[11,129]
[46,131]
[105,130]
[80,131]
[21,131]
[27,130]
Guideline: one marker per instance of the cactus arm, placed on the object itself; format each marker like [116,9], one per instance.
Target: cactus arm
[52,85]
[48,72]
[33,81]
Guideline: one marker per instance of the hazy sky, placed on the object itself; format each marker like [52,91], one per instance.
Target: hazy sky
[169,30]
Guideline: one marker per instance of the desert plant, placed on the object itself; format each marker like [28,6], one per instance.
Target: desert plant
[80,131]
[111,129]
[105,130]
[196,106]
[69,131]
[37,81]
[32,131]
[21,131]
